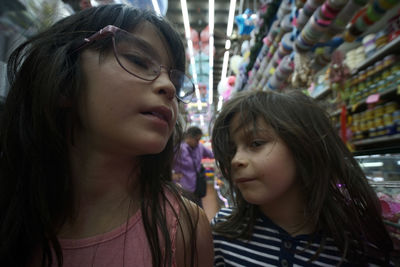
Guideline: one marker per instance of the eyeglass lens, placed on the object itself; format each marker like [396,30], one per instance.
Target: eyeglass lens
[135,58]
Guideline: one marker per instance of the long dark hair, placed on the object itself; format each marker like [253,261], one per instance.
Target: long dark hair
[339,200]
[35,177]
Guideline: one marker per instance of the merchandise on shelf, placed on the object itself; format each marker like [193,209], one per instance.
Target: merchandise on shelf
[383,173]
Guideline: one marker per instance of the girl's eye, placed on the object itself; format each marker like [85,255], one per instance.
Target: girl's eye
[257,143]
[138,61]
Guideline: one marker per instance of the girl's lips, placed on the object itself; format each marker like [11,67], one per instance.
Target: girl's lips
[162,112]
[243,180]
[160,121]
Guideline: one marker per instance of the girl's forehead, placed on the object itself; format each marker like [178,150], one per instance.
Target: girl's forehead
[247,126]
[149,35]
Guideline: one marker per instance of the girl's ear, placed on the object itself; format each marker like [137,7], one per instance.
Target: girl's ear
[65,102]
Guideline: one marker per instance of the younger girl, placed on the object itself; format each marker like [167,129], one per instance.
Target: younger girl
[87,143]
[301,199]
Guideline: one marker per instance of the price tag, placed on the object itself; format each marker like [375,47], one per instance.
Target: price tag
[372,98]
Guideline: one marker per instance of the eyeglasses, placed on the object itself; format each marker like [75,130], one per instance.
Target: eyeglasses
[132,54]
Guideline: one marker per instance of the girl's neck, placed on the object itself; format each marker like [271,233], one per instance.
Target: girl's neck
[293,222]
[100,174]
[103,194]
[289,213]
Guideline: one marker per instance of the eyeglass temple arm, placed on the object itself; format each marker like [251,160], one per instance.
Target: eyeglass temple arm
[110,29]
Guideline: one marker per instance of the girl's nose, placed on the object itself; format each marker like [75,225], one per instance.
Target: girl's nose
[164,86]
[239,160]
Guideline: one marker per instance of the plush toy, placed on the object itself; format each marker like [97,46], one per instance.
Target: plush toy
[234,63]
[245,22]
[303,74]
[339,71]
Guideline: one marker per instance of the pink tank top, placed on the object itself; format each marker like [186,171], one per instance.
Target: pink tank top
[107,250]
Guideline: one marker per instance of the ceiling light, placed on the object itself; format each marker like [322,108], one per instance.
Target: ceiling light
[371,164]
[219,106]
[210,86]
[185,16]
[229,29]
[211,17]
[156,7]
[232,8]
[211,51]
[225,65]
[198,103]
[228,44]
[186,24]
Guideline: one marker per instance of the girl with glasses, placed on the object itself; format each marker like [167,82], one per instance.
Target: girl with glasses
[87,140]
[301,199]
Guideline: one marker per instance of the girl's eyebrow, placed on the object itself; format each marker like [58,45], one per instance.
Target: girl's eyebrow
[147,48]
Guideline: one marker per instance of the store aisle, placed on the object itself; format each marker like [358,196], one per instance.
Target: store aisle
[210,201]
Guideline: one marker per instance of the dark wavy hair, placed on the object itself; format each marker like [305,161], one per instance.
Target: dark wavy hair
[339,200]
[35,176]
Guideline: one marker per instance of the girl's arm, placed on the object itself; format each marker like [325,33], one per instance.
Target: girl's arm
[204,243]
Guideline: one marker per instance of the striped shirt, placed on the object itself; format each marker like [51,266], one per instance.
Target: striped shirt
[270,245]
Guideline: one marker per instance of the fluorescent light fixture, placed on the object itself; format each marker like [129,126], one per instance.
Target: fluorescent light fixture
[371,164]
[211,70]
[121,2]
[220,100]
[229,29]
[191,105]
[185,19]
[156,7]
[225,65]
[210,86]
[231,16]
[199,104]
[197,91]
[211,17]
[228,44]
[211,50]
[201,120]
[378,179]
[186,24]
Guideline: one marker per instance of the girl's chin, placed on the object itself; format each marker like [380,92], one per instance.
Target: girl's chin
[155,148]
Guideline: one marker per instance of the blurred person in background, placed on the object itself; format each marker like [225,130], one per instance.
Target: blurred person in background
[188,161]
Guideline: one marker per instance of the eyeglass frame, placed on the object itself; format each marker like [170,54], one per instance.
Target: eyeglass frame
[111,30]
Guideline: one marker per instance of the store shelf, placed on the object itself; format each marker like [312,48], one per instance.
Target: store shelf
[323,93]
[337,112]
[382,94]
[392,89]
[395,184]
[377,151]
[377,140]
[387,49]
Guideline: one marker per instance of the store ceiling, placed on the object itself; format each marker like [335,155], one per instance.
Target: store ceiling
[198,17]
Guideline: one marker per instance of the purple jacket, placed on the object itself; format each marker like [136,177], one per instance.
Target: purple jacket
[184,163]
